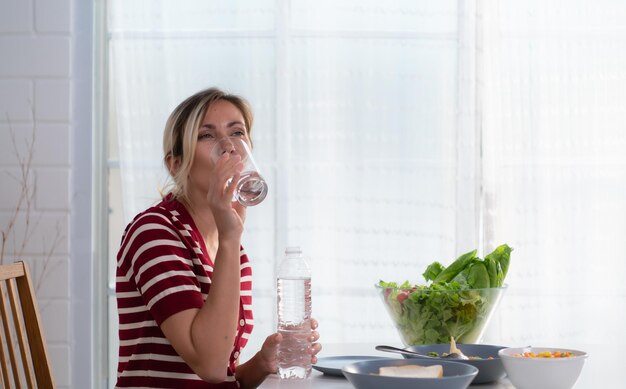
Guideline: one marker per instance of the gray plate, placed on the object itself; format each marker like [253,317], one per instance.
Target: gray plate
[333,365]
[364,375]
[489,370]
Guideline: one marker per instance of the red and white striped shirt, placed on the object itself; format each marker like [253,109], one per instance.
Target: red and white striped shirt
[163,268]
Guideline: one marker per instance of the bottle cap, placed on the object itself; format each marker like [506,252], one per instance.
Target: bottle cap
[293,250]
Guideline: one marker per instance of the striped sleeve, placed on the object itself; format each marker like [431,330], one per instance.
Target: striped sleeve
[155,260]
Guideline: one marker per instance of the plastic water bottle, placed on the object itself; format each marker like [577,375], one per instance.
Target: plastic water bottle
[294,315]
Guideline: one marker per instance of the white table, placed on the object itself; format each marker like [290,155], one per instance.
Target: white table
[603,369]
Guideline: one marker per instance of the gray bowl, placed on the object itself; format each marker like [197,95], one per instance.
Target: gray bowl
[364,375]
[489,370]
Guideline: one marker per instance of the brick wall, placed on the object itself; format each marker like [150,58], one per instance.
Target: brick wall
[35,95]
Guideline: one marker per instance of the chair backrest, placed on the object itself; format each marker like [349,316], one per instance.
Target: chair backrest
[24,359]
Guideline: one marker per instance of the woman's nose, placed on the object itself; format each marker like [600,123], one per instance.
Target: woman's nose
[227,146]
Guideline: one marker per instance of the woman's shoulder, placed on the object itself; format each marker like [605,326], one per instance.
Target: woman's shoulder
[169,210]
[155,214]
[165,214]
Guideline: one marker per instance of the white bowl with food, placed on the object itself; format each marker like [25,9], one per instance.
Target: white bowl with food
[542,367]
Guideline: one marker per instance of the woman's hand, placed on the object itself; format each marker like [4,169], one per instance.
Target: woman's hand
[252,373]
[268,353]
[228,217]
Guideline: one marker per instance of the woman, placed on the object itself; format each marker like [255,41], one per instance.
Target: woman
[183,279]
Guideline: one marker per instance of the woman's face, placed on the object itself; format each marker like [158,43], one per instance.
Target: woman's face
[222,119]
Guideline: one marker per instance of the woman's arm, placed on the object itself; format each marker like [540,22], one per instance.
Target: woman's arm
[204,337]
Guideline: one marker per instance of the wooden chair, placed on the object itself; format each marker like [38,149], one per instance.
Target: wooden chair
[21,326]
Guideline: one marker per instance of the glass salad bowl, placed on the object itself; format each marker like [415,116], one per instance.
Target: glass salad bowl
[427,315]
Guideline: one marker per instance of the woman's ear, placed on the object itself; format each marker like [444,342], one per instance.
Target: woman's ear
[173,164]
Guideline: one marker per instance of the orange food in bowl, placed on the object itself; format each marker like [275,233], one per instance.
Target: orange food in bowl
[546,354]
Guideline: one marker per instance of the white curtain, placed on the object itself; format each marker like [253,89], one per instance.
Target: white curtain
[393,135]
[552,81]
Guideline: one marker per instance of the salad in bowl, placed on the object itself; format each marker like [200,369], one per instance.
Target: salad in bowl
[458,302]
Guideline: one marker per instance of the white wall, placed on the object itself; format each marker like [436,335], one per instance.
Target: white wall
[38,84]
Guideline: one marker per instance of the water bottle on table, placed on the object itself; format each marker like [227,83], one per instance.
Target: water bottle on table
[294,315]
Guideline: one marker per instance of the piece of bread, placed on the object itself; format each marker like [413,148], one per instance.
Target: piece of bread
[412,371]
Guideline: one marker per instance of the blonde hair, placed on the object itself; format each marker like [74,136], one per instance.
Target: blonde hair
[181,135]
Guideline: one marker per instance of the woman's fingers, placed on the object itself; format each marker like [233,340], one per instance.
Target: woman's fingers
[274,339]
[228,167]
[232,184]
[314,336]
[227,173]
[315,347]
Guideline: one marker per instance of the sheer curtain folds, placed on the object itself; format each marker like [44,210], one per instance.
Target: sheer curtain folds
[394,135]
[552,81]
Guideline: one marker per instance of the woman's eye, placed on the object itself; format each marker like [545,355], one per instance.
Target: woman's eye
[239,133]
[205,135]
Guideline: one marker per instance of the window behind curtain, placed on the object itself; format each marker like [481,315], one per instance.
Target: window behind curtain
[355,131]
[552,81]
[395,135]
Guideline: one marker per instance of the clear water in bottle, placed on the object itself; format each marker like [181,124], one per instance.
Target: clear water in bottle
[294,316]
